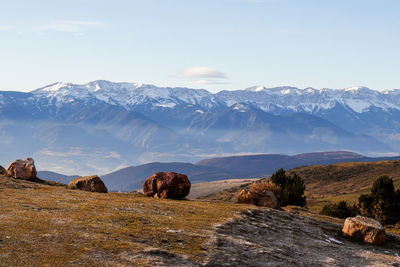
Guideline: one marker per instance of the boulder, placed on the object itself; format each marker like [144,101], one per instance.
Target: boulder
[2,170]
[265,199]
[23,169]
[167,185]
[246,197]
[364,229]
[88,183]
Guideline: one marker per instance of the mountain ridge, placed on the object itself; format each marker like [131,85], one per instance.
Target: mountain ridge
[101,125]
[133,94]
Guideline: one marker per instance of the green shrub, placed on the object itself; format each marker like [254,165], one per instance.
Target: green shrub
[339,210]
[292,188]
[383,204]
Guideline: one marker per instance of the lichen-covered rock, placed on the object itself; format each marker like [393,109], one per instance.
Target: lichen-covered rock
[2,170]
[88,183]
[364,229]
[23,169]
[265,199]
[167,185]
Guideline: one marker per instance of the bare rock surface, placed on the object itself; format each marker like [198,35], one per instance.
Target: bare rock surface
[23,169]
[364,229]
[88,183]
[267,237]
[167,185]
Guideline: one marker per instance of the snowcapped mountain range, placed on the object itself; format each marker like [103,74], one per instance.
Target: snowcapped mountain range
[310,100]
[102,126]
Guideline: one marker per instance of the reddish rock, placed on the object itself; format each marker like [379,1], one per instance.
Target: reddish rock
[265,199]
[2,170]
[23,169]
[88,183]
[364,229]
[167,185]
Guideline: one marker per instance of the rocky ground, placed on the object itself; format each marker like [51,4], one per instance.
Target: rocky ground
[265,237]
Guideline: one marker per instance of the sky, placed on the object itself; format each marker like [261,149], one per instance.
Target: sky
[211,44]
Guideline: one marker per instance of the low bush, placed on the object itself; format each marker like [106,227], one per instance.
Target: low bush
[383,203]
[292,188]
[339,210]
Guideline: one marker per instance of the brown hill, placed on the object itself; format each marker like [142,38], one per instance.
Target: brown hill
[323,181]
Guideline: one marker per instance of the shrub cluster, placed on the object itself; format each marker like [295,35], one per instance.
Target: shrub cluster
[339,210]
[382,204]
[292,188]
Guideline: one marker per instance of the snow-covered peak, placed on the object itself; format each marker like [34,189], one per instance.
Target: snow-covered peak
[126,94]
[310,100]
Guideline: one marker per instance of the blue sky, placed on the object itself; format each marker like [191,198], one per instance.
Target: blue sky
[211,44]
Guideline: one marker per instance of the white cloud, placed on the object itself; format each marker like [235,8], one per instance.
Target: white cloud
[202,75]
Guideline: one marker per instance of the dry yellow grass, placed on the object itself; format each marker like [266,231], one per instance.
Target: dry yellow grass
[326,181]
[42,225]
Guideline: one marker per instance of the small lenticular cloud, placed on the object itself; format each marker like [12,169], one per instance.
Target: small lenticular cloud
[202,75]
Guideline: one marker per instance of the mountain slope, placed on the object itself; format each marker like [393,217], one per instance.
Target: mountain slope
[123,124]
[238,167]
[323,181]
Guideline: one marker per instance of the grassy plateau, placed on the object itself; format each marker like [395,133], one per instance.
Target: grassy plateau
[49,225]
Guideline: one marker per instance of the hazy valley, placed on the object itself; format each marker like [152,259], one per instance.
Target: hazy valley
[100,127]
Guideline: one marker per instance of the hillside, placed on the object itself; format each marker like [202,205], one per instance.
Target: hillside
[56,177]
[248,166]
[100,126]
[131,178]
[43,225]
[323,181]
[223,168]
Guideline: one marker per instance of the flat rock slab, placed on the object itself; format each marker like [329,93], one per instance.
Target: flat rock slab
[268,237]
